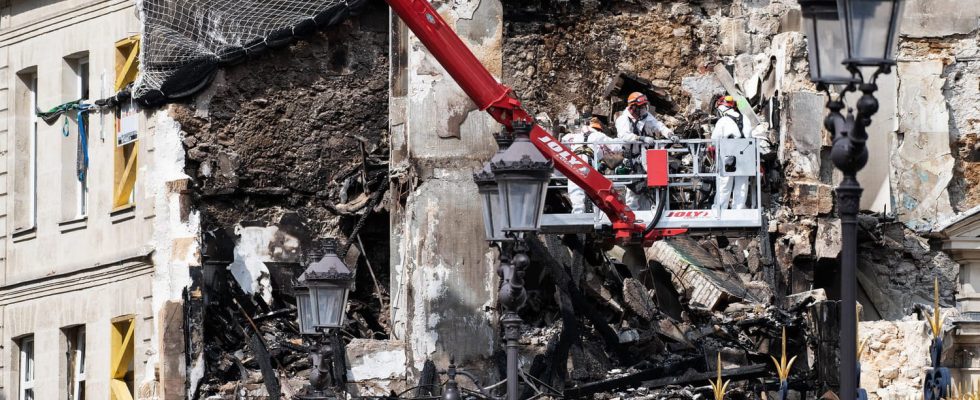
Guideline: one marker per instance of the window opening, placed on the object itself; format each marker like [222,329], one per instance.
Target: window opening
[76,362]
[27,368]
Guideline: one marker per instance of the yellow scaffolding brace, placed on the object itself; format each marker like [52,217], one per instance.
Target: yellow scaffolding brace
[125,156]
[121,380]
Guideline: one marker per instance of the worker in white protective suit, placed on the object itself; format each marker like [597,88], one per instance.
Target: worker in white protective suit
[636,123]
[730,125]
[584,143]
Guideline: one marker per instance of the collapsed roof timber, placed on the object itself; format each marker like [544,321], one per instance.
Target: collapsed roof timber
[256,130]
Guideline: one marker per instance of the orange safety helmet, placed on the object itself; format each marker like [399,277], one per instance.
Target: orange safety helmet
[637,99]
[728,101]
[595,123]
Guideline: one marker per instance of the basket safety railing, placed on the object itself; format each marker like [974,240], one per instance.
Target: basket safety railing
[686,170]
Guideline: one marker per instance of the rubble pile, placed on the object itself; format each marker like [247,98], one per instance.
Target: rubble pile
[654,330]
[629,330]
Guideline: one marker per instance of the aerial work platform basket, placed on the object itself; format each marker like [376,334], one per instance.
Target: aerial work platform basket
[681,178]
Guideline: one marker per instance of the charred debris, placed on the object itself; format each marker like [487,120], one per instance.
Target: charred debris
[600,322]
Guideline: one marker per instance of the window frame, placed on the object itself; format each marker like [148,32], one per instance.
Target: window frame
[33,90]
[82,85]
[26,368]
[75,358]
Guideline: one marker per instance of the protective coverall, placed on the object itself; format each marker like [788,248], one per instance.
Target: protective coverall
[728,187]
[642,129]
[590,136]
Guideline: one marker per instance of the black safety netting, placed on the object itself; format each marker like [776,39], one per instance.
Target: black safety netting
[184,42]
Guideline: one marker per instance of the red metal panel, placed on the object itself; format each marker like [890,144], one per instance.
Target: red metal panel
[656,168]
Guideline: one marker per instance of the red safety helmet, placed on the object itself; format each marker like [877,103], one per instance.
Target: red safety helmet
[637,99]
[728,101]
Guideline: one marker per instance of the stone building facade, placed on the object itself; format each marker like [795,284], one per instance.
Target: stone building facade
[88,217]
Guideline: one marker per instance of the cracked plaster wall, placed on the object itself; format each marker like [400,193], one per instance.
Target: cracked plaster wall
[176,242]
[442,273]
[934,155]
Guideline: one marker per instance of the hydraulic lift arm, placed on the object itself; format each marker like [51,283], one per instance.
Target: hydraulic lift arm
[501,103]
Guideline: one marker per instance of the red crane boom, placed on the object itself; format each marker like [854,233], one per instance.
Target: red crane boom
[499,100]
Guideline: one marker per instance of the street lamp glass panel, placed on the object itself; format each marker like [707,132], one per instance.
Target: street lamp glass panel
[493,216]
[304,309]
[872,29]
[826,42]
[523,200]
[329,305]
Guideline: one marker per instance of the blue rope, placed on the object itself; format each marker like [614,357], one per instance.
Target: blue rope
[82,167]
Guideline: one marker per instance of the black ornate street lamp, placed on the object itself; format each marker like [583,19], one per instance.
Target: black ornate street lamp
[518,176]
[321,299]
[870,31]
[486,185]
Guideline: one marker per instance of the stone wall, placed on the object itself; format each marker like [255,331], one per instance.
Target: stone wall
[895,357]
[281,131]
[559,56]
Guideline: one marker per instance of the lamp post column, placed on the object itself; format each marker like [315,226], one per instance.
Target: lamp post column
[850,154]
[848,200]
[512,297]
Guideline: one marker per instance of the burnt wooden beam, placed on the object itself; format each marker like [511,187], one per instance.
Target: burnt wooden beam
[648,378]
[567,287]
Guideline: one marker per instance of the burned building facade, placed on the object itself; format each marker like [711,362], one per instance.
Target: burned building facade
[182,241]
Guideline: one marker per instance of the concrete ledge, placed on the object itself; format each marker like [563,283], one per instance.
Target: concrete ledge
[73,225]
[24,235]
[123,214]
